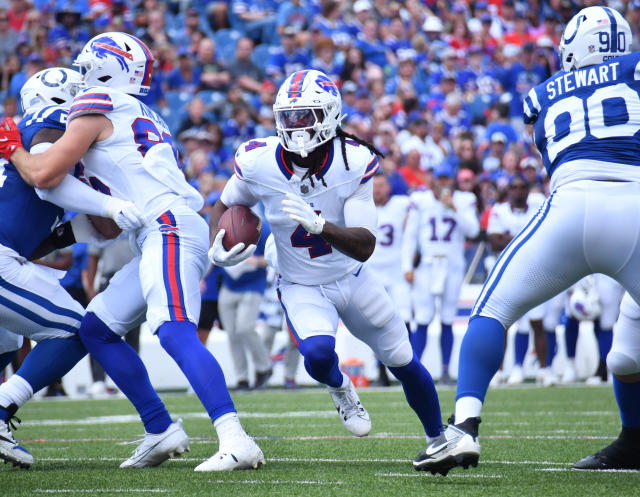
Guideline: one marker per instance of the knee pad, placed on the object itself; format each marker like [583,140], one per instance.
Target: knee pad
[397,356]
[318,349]
[621,364]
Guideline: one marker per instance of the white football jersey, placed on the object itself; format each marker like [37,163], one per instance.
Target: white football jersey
[386,258]
[137,162]
[505,220]
[261,174]
[437,230]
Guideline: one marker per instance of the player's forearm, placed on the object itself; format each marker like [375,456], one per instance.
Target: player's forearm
[35,171]
[357,243]
[216,214]
[74,195]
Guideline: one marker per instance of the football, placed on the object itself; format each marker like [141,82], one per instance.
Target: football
[241,225]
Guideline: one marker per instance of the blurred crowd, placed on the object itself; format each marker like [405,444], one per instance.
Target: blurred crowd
[429,82]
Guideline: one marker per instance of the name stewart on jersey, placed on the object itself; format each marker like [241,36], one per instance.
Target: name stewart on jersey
[588,76]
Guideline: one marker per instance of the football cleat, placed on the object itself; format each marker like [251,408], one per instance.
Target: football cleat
[238,452]
[457,445]
[618,455]
[354,416]
[10,450]
[516,377]
[157,448]
[546,378]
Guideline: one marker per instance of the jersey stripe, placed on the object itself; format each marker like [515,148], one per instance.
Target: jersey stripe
[237,170]
[371,170]
[295,90]
[292,331]
[85,96]
[282,165]
[171,267]
[328,160]
[146,79]
[88,108]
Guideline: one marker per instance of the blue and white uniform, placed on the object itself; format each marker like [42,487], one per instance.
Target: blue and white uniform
[319,285]
[32,302]
[587,128]
[138,163]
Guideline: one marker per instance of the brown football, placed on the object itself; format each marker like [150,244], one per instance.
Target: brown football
[241,225]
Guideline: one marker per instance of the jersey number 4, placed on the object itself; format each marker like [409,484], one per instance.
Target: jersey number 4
[315,243]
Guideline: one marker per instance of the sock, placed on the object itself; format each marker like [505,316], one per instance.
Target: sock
[481,355]
[127,371]
[628,398]
[521,346]
[467,407]
[228,426]
[446,344]
[551,347]
[6,358]
[408,325]
[571,336]
[418,339]
[180,340]
[321,360]
[421,395]
[16,390]
[50,360]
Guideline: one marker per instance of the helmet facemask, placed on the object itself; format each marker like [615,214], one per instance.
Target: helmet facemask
[301,130]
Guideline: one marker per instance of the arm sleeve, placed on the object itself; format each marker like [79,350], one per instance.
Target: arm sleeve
[237,192]
[72,194]
[410,239]
[359,209]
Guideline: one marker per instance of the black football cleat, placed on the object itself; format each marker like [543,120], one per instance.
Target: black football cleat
[619,455]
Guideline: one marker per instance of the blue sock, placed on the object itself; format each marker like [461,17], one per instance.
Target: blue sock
[321,360]
[408,325]
[481,355]
[521,346]
[605,338]
[180,340]
[446,344]
[628,398]
[418,339]
[6,358]
[571,336]
[127,370]
[50,360]
[421,395]
[551,346]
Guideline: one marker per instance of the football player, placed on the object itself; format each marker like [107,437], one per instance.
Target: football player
[126,150]
[439,221]
[385,261]
[505,221]
[314,180]
[32,302]
[586,122]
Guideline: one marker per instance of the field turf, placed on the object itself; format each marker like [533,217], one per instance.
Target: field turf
[530,437]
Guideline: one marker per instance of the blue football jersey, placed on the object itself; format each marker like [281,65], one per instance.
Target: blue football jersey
[28,219]
[590,114]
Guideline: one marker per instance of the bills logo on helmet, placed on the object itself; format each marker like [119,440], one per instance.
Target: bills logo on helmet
[327,85]
[105,46]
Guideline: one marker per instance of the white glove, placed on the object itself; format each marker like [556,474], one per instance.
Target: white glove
[303,213]
[124,213]
[219,256]
[84,232]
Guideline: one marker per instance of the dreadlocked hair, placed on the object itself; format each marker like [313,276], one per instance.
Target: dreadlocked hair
[316,168]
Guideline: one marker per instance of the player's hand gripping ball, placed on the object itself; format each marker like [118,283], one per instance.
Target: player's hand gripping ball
[238,228]
[10,138]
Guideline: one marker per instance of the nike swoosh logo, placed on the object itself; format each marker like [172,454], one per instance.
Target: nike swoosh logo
[357,273]
[435,449]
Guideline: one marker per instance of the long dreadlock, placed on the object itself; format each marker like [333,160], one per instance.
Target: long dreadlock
[316,168]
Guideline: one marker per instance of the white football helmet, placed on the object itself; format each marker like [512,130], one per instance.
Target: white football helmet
[593,35]
[307,111]
[116,60]
[55,86]
[584,304]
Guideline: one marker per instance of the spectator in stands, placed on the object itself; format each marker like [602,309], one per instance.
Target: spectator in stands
[213,76]
[354,65]
[196,116]
[34,64]
[288,58]
[296,13]
[412,172]
[325,59]
[8,37]
[246,74]
[257,19]
[239,128]
[454,117]
[498,123]
[408,75]
[521,77]
[369,43]
[185,77]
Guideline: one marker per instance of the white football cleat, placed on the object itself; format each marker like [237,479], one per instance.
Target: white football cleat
[569,375]
[457,445]
[10,450]
[354,416]
[157,448]
[238,452]
[516,377]
[546,378]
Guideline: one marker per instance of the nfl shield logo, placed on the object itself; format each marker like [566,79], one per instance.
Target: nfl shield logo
[304,189]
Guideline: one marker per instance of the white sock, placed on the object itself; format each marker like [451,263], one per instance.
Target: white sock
[16,390]
[467,407]
[228,426]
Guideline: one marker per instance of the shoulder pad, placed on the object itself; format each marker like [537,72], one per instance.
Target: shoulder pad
[94,100]
[252,153]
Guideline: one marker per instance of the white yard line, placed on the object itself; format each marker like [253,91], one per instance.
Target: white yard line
[278,482]
[101,490]
[421,475]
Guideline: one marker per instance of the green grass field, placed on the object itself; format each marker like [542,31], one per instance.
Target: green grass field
[530,438]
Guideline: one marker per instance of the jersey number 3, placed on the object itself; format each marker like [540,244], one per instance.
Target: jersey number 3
[315,243]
